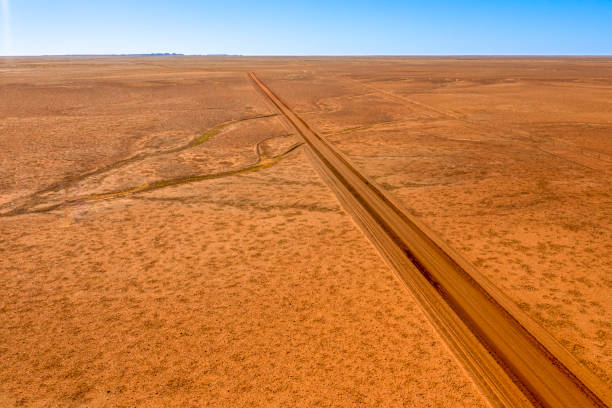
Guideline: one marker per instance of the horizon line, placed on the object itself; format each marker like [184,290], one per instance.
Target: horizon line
[155,54]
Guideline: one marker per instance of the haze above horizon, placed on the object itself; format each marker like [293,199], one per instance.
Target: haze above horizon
[39,27]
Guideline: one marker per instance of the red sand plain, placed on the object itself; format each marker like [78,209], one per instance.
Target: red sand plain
[166,242]
[248,288]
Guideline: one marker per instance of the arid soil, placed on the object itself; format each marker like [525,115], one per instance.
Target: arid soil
[165,241]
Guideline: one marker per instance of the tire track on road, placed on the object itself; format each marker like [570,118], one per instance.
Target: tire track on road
[512,359]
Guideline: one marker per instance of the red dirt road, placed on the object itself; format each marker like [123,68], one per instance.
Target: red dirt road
[525,362]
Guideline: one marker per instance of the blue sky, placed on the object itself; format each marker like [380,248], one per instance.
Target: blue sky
[383,27]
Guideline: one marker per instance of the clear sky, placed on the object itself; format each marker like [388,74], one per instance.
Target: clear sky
[269,27]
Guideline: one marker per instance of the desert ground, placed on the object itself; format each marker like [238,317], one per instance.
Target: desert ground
[166,241]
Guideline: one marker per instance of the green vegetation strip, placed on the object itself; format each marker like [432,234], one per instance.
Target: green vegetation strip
[30,202]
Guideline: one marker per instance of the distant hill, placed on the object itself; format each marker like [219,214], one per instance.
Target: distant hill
[153,54]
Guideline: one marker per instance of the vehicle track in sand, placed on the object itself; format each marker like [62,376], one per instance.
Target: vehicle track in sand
[262,162]
[513,360]
[596,161]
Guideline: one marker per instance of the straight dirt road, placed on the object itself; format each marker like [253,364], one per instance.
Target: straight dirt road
[515,362]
